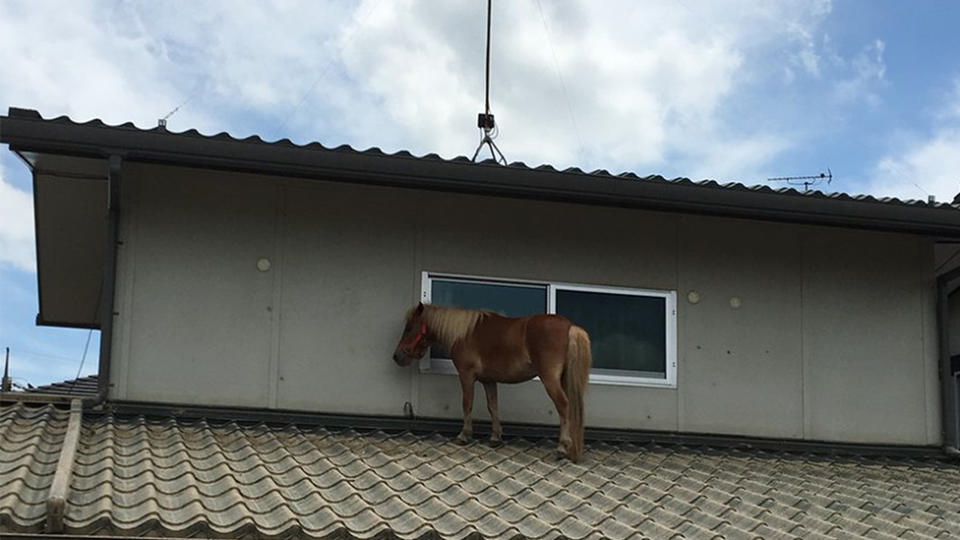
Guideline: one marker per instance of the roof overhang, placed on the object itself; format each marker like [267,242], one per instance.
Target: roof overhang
[69,161]
[25,130]
[70,213]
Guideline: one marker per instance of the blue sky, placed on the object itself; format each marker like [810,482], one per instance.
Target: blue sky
[734,90]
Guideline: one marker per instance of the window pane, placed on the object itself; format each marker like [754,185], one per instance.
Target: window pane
[506,299]
[627,332]
[509,300]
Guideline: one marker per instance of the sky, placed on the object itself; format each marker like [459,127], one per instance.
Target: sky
[731,90]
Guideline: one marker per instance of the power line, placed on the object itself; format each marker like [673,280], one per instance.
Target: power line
[33,354]
[566,95]
[908,177]
[485,121]
[83,359]
[108,312]
[946,262]
[327,66]
[162,121]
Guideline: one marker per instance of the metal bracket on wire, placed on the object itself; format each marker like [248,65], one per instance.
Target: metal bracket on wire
[485,122]
[485,119]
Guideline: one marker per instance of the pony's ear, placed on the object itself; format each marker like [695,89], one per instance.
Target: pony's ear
[419,308]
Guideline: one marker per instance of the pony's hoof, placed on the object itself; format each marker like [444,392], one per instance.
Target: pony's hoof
[462,440]
[559,455]
[496,443]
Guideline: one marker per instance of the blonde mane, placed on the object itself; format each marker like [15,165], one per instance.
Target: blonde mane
[450,325]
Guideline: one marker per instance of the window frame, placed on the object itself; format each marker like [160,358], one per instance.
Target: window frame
[445,366]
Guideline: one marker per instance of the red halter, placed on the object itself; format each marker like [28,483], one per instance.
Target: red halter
[416,340]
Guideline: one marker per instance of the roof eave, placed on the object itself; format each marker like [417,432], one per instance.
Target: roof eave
[25,130]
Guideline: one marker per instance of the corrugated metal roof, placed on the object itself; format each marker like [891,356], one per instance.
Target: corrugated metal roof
[26,130]
[376,151]
[170,477]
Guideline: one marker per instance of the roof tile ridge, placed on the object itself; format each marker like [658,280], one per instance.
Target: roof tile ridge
[60,487]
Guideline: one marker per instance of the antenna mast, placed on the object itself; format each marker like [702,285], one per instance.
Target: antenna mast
[485,119]
[6,384]
[805,181]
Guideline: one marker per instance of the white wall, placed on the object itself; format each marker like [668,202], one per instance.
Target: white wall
[834,339]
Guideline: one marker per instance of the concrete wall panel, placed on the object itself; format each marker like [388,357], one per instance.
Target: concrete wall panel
[832,339]
[531,240]
[742,370]
[348,255]
[864,364]
[200,325]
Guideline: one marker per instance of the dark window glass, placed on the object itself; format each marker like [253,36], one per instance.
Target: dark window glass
[505,299]
[627,332]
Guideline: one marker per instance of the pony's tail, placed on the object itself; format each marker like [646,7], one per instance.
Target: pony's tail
[575,375]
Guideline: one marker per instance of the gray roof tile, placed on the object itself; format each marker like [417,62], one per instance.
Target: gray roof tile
[31,440]
[81,387]
[174,477]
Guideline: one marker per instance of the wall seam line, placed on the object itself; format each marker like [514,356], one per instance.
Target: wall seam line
[276,299]
[803,336]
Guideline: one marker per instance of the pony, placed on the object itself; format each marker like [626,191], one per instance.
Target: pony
[490,348]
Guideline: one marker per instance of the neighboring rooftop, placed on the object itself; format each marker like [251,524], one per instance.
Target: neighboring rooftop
[82,387]
[166,476]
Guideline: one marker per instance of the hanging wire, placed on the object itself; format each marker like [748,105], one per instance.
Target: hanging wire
[485,122]
[43,356]
[487,81]
[162,122]
[86,346]
[83,359]
[328,65]
[908,177]
[563,84]
[946,262]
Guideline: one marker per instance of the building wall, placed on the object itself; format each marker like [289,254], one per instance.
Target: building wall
[834,339]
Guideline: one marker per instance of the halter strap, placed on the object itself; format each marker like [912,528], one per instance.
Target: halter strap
[419,337]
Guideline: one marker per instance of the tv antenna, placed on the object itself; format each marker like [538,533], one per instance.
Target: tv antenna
[485,119]
[805,181]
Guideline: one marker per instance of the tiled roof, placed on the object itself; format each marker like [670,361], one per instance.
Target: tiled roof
[82,387]
[172,477]
[30,441]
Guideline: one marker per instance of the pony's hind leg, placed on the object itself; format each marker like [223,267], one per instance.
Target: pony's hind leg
[466,386]
[554,387]
[496,433]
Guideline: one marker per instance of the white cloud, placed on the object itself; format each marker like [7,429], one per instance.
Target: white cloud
[739,158]
[641,82]
[646,85]
[16,227]
[809,55]
[951,112]
[930,166]
[867,71]
[925,165]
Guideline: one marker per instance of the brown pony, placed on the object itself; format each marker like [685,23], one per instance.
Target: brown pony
[491,348]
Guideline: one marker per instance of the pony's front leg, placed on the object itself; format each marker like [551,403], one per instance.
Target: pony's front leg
[496,434]
[466,386]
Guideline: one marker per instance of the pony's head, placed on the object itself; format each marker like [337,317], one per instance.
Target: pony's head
[413,342]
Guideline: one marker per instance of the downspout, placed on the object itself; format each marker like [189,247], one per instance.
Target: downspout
[114,164]
[947,389]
